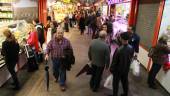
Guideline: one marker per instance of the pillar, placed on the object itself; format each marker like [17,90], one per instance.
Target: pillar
[133,12]
[42,11]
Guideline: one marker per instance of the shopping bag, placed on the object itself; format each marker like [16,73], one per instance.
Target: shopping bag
[166,66]
[108,82]
[135,66]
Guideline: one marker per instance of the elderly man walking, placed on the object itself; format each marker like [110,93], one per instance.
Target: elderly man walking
[56,48]
[99,55]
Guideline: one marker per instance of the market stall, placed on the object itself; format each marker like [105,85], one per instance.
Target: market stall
[120,10]
[61,10]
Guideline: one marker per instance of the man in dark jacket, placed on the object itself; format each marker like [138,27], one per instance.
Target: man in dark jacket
[121,64]
[99,55]
[134,40]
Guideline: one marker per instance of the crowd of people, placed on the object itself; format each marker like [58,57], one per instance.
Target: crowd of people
[60,50]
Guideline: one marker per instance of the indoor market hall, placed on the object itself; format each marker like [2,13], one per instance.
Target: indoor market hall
[34,83]
[84,48]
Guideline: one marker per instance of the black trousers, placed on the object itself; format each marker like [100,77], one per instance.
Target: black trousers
[125,84]
[11,69]
[152,73]
[66,27]
[96,77]
[70,22]
[32,64]
[82,31]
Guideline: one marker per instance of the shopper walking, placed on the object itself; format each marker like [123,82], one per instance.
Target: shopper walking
[66,24]
[70,19]
[40,30]
[56,48]
[82,24]
[109,24]
[89,20]
[134,40]
[48,23]
[121,64]
[93,25]
[99,55]
[10,50]
[159,58]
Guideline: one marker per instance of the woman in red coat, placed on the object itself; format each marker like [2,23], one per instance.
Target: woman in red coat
[33,38]
[32,41]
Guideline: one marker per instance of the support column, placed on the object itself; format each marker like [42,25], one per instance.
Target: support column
[132,15]
[42,11]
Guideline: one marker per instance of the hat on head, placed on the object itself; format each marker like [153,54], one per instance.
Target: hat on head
[125,36]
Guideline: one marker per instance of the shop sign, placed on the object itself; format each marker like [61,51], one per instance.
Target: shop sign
[66,1]
[116,1]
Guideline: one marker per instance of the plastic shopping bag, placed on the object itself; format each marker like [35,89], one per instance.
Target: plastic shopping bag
[108,82]
[135,66]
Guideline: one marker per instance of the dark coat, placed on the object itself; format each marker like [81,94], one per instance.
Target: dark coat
[82,23]
[40,31]
[99,53]
[134,42]
[69,58]
[109,27]
[160,54]
[10,50]
[122,59]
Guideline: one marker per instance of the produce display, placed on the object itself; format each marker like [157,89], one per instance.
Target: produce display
[6,1]
[61,10]
[20,31]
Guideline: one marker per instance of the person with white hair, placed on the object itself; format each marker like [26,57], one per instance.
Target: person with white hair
[99,55]
[56,48]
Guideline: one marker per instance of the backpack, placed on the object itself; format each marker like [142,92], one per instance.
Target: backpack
[151,52]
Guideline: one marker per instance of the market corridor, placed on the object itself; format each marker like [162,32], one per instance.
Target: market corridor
[33,84]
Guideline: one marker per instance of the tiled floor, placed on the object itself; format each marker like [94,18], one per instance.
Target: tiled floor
[33,84]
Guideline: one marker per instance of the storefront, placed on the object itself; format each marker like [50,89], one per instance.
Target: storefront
[153,22]
[61,10]
[120,9]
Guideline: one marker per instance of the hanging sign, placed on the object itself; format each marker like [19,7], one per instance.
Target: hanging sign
[116,1]
[66,1]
